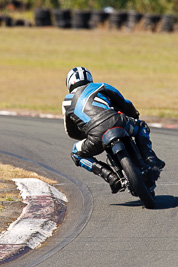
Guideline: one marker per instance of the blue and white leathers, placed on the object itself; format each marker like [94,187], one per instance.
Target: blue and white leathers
[91,109]
[85,102]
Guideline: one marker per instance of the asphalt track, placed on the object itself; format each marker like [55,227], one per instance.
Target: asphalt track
[100,229]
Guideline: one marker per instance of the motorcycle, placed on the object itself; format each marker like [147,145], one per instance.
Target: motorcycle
[124,158]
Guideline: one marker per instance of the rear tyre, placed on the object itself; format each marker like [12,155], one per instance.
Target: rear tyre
[135,180]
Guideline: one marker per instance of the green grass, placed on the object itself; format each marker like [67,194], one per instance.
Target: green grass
[34,63]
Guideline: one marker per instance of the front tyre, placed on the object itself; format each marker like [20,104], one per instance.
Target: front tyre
[135,180]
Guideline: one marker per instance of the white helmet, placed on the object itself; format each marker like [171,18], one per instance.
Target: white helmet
[77,77]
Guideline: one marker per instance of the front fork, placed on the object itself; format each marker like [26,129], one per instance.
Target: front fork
[138,157]
[139,162]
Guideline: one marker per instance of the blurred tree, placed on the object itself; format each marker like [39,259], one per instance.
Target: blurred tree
[83,4]
[175,6]
[152,6]
[3,3]
[144,6]
[98,4]
[42,3]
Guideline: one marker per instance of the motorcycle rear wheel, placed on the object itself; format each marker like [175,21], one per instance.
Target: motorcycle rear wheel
[135,180]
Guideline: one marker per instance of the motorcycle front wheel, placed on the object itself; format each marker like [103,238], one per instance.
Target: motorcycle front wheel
[135,180]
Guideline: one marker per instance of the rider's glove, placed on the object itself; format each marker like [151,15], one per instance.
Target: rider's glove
[137,115]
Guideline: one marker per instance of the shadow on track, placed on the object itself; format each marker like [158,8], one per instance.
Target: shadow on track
[161,202]
[165,202]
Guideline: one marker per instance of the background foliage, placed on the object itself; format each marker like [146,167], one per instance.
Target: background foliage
[153,6]
[145,6]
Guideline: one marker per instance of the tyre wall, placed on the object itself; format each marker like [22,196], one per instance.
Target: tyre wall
[85,19]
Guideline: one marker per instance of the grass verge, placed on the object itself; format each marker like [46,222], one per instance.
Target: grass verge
[8,191]
[34,63]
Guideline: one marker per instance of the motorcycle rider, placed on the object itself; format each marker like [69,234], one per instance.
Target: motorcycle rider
[89,110]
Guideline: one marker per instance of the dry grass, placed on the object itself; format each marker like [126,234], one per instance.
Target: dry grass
[34,63]
[8,189]
[9,172]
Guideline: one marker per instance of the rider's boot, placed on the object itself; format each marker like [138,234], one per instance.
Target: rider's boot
[104,171]
[149,156]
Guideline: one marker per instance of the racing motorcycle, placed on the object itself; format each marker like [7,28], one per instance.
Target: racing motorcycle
[124,158]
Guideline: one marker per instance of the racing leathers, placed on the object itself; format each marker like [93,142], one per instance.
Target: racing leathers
[92,109]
